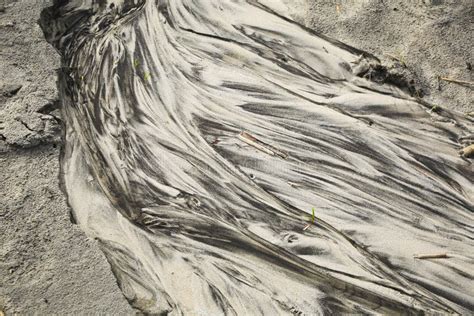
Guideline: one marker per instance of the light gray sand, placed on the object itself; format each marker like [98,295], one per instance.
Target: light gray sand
[47,263]
[432,37]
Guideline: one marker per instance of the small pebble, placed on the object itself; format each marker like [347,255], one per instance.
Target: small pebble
[11,89]
[469,66]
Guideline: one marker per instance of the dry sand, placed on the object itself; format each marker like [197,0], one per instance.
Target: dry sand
[47,263]
[431,37]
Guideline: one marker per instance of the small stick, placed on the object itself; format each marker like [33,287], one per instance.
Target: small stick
[433,256]
[249,139]
[396,58]
[457,81]
[293,184]
[253,141]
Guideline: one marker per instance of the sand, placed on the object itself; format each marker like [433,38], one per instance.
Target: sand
[48,264]
[431,38]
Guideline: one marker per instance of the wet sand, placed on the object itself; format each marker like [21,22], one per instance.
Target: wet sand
[200,136]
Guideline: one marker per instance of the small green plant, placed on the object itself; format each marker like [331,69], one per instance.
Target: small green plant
[313,219]
[434,109]
[146,76]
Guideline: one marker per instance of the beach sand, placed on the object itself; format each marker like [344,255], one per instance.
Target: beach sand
[48,265]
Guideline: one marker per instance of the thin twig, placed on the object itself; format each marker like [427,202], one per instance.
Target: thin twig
[399,59]
[432,256]
[253,141]
[249,139]
[294,184]
[471,83]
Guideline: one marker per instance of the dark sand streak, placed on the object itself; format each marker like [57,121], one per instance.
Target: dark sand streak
[195,221]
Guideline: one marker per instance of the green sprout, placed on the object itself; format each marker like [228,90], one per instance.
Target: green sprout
[313,219]
[136,63]
[146,76]
[435,109]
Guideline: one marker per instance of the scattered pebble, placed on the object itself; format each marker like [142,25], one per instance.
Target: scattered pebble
[10,90]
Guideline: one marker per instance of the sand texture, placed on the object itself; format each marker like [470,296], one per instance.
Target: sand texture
[198,136]
[47,264]
[190,141]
